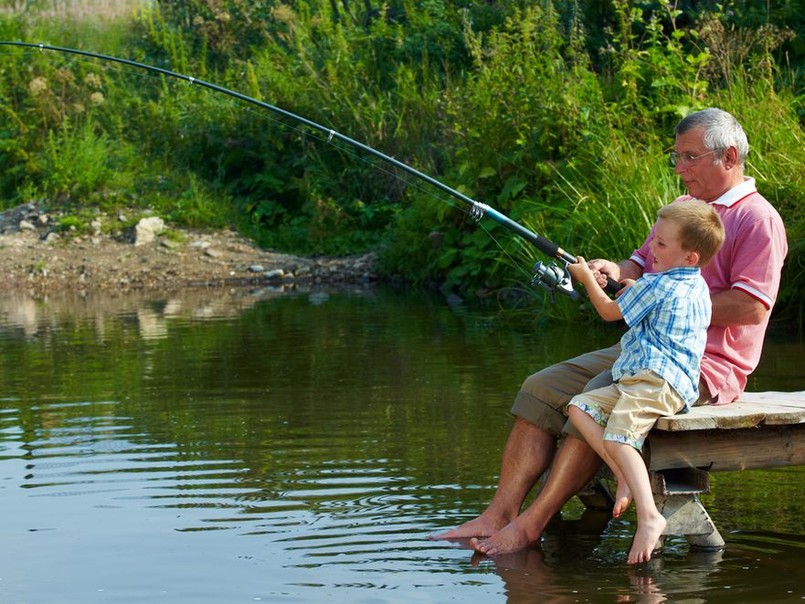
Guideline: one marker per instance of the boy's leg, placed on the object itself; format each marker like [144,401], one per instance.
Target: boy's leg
[588,414]
[650,523]
[643,399]
[589,428]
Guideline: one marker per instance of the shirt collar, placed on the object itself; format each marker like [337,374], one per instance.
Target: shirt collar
[683,270]
[737,193]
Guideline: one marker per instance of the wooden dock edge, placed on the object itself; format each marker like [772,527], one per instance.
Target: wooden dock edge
[761,430]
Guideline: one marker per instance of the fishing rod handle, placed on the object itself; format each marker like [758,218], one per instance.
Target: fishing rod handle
[612,286]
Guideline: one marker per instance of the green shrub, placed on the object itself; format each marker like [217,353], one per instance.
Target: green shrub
[558,113]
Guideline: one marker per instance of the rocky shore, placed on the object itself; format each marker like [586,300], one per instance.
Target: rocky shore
[38,255]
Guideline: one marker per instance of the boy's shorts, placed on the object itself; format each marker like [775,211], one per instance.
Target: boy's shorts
[629,408]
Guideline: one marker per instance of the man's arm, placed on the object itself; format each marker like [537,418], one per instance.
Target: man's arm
[730,307]
[630,270]
[736,307]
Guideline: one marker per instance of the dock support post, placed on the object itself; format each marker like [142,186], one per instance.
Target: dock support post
[676,493]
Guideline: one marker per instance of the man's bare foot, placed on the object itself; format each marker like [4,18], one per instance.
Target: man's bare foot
[484,525]
[623,499]
[509,539]
[645,539]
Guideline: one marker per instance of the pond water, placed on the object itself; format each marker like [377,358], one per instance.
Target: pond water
[243,446]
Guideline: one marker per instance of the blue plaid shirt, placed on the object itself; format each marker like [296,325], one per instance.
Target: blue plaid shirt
[668,314]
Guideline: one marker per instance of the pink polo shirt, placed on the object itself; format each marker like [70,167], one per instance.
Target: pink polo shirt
[751,260]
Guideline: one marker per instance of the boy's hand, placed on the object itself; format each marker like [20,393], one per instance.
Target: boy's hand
[579,269]
[584,273]
[588,276]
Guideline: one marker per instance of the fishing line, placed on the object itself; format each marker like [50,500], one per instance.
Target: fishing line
[409,182]
[306,134]
[551,277]
[331,138]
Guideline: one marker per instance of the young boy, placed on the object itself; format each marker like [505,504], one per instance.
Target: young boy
[657,373]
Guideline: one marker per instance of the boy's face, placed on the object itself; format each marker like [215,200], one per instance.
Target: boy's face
[666,251]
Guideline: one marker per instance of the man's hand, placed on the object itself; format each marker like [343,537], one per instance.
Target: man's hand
[604,268]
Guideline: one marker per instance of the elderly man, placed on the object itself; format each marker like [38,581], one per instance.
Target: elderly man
[743,279]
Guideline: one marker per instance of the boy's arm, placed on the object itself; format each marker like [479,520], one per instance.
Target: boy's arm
[607,308]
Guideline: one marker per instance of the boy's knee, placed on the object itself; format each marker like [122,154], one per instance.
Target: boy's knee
[612,446]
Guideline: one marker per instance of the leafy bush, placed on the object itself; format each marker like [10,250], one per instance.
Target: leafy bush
[558,113]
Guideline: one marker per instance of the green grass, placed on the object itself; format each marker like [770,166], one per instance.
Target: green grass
[514,106]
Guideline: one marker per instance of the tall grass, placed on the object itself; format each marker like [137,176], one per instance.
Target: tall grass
[85,10]
[558,118]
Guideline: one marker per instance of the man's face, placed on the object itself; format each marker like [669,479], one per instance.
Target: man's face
[704,176]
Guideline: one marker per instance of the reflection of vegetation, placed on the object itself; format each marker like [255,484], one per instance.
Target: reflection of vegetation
[295,384]
[758,500]
[406,382]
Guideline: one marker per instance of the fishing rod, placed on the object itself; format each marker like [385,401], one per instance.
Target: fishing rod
[552,277]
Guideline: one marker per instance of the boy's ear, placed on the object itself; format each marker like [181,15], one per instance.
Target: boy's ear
[692,258]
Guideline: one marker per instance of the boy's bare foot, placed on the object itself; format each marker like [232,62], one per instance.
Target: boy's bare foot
[645,539]
[623,499]
[509,539]
[484,525]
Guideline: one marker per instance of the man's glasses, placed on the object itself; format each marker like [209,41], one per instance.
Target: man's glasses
[685,158]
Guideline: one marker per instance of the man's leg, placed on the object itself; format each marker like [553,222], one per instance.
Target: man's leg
[527,454]
[539,410]
[575,465]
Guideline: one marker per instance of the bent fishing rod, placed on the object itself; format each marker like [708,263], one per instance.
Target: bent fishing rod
[551,277]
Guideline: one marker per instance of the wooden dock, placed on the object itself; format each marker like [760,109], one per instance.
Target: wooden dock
[760,430]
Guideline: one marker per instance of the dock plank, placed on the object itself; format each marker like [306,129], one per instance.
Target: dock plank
[759,431]
[752,409]
[756,448]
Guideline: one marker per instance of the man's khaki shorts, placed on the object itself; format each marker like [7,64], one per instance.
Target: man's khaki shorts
[544,396]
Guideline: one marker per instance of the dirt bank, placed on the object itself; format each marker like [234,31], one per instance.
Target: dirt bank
[37,257]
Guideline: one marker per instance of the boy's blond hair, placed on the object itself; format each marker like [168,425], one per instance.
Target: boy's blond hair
[700,227]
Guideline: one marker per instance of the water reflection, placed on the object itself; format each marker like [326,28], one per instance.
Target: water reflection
[298,446]
[21,311]
[569,567]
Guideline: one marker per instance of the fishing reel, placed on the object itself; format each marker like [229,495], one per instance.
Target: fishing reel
[554,278]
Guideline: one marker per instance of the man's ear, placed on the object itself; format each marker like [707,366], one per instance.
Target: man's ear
[730,157]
